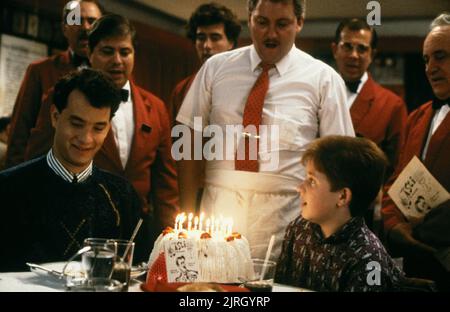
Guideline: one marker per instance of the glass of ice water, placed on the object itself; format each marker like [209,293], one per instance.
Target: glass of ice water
[98,259]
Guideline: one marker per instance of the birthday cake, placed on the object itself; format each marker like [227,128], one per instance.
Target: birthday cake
[221,256]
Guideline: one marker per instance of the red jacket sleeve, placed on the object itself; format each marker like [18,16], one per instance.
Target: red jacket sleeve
[390,213]
[24,115]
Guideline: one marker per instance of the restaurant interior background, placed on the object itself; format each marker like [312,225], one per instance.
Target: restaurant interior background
[165,56]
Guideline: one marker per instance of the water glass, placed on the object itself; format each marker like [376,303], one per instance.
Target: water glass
[98,260]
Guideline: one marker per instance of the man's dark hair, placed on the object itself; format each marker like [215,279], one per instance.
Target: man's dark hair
[4,122]
[355,24]
[299,6]
[213,13]
[356,163]
[97,87]
[68,8]
[108,26]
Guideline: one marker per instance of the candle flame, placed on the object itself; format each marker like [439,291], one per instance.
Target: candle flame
[217,227]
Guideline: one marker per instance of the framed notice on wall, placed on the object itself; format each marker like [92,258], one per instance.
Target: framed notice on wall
[15,56]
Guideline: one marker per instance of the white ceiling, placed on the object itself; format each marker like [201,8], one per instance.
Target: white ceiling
[316,9]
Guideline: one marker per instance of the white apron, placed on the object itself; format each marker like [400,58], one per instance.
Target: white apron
[260,204]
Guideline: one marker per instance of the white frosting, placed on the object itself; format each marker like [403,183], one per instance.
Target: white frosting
[219,261]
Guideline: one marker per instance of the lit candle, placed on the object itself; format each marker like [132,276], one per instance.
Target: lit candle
[217,227]
[182,219]
[230,227]
[176,222]
[196,223]
[220,225]
[224,227]
[202,216]
[207,225]
[190,221]
[212,224]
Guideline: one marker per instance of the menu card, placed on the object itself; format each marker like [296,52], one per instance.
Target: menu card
[416,191]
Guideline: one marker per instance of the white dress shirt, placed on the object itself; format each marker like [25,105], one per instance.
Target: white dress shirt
[351,97]
[123,127]
[439,116]
[306,99]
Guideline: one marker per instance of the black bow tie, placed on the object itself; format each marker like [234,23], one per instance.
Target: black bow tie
[124,94]
[353,85]
[79,60]
[437,103]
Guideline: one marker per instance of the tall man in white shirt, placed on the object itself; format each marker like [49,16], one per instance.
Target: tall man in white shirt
[305,99]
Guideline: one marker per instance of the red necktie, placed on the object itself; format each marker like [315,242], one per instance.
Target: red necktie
[252,117]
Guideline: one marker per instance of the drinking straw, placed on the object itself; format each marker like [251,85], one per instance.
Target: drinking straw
[269,251]
[133,236]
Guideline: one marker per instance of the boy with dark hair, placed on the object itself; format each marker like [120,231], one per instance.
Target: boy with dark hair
[329,247]
[52,203]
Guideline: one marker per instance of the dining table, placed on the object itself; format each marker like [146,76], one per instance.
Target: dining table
[36,281]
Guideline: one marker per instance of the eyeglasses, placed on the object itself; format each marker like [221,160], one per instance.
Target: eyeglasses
[348,47]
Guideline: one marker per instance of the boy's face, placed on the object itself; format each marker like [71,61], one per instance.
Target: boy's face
[319,204]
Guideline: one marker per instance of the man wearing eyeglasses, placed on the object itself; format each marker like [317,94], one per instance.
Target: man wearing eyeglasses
[43,74]
[377,113]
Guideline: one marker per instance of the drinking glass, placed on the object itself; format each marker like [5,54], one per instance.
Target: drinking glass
[263,275]
[98,260]
[123,260]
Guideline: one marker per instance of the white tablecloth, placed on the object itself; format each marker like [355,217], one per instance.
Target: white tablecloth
[32,282]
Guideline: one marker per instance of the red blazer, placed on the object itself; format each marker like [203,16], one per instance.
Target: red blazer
[178,95]
[380,115]
[434,229]
[437,159]
[150,167]
[39,77]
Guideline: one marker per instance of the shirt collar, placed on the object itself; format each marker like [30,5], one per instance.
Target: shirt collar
[65,174]
[364,78]
[343,234]
[281,66]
